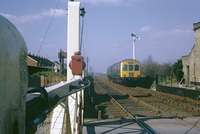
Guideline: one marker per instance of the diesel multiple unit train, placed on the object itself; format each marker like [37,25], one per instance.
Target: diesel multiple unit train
[126,72]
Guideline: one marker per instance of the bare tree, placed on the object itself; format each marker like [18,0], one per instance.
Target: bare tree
[165,69]
[151,68]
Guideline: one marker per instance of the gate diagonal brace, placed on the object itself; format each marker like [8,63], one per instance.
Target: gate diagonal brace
[39,107]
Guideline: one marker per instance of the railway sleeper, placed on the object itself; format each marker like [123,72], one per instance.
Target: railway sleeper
[123,113]
[144,104]
[178,104]
[148,106]
[173,96]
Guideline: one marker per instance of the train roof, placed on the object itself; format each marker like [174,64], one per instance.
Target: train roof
[122,61]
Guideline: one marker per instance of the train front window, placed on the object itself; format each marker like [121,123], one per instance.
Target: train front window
[130,67]
[136,67]
[125,67]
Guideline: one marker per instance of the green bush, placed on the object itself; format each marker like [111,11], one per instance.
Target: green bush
[178,69]
[46,74]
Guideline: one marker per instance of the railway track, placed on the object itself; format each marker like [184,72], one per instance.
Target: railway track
[175,105]
[140,104]
[124,109]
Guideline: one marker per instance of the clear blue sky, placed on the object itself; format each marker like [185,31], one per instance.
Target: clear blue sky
[164,26]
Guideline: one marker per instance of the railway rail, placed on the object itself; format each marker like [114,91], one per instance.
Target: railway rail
[146,100]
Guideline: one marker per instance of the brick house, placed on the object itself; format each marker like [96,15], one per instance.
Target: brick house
[191,62]
[41,61]
[38,64]
[31,61]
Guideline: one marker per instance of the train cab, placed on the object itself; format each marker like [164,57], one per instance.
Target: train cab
[130,68]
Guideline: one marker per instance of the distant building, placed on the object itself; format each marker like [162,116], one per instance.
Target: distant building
[41,61]
[191,62]
[56,66]
[38,64]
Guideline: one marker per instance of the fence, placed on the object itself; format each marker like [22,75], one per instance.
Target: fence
[166,81]
[193,94]
[44,81]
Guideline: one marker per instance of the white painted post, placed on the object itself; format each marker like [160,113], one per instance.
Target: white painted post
[134,49]
[73,34]
[13,79]
[134,39]
[73,45]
